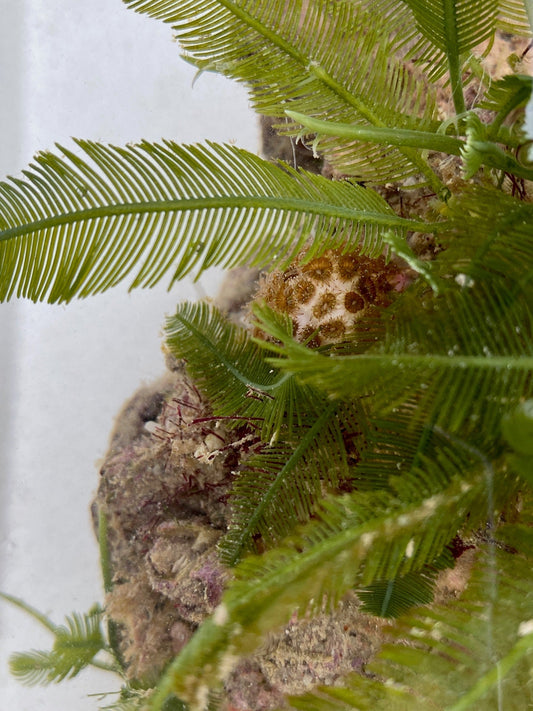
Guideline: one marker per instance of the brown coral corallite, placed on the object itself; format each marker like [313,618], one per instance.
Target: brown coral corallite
[329,295]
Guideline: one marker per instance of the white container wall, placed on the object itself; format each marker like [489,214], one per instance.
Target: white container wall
[93,70]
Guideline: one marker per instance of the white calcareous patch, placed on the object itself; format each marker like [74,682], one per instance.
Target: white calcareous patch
[525,628]
[436,632]
[220,615]
[213,442]
[226,665]
[464,280]
[367,539]
[201,697]
[416,632]
[410,549]
[431,505]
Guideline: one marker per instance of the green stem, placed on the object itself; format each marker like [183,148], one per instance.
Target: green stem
[400,247]
[415,159]
[491,154]
[285,471]
[286,204]
[424,140]
[310,67]
[407,361]
[45,621]
[494,157]
[452,53]
[313,68]
[209,345]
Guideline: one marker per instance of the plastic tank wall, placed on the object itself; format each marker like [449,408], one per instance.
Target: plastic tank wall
[92,70]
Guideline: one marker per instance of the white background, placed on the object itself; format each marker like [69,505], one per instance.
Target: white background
[93,70]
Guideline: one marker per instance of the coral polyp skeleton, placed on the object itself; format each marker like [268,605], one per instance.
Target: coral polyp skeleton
[328,296]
